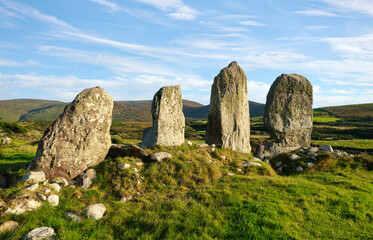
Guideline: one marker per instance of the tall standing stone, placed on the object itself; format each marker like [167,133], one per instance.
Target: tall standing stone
[228,123]
[79,138]
[168,119]
[288,114]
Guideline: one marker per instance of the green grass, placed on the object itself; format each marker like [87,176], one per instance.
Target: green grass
[325,119]
[354,143]
[191,196]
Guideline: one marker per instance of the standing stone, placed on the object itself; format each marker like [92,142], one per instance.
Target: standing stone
[168,119]
[79,138]
[288,111]
[228,123]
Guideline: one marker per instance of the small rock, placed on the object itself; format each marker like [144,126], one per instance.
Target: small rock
[239,170]
[139,163]
[257,159]
[135,169]
[71,183]
[223,157]
[83,181]
[311,153]
[46,182]
[213,145]
[33,177]
[247,164]
[46,191]
[55,187]
[53,200]
[230,173]
[266,160]
[32,188]
[309,164]
[161,156]
[313,149]
[91,173]
[190,143]
[212,149]
[299,169]
[120,150]
[71,216]
[8,226]
[6,140]
[338,153]
[203,145]
[326,148]
[294,157]
[20,206]
[122,166]
[95,211]
[126,198]
[278,164]
[41,196]
[40,233]
[60,180]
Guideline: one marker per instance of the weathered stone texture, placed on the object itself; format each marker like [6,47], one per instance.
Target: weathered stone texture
[288,112]
[79,138]
[168,119]
[229,118]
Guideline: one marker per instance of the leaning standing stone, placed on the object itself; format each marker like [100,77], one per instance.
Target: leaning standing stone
[168,119]
[229,118]
[288,114]
[79,138]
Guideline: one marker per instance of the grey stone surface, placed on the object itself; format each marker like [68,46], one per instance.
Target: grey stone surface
[229,118]
[326,148]
[83,181]
[161,156]
[33,177]
[59,180]
[40,233]
[248,164]
[9,226]
[32,187]
[71,216]
[21,205]
[53,200]
[79,138]
[121,150]
[272,149]
[56,187]
[122,166]
[95,211]
[168,119]
[288,115]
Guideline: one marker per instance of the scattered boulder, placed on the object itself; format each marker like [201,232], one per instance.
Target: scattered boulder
[272,149]
[126,198]
[46,191]
[3,181]
[294,157]
[161,156]
[326,148]
[55,187]
[60,180]
[71,216]
[168,119]
[278,164]
[248,164]
[190,143]
[288,115]
[53,200]
[21,205]
[228,123]
[83,181]
[121,150]
[40,233]
[32,188]
[299,169]
[6,140]
[309,164]
[313,149]
[203,145]
[91,174]
[33,177]
[41,197]
[95,211]
[8,226]
[122,166]
[79,138]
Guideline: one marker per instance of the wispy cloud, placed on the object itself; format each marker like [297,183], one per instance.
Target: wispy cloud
[175,8]
[320,27]
[8,63]
[316,13]
[361,6]
[110,6]
[251,23]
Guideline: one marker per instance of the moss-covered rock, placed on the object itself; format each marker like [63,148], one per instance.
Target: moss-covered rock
[229,118]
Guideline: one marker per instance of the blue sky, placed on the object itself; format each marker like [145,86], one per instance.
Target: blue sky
[54,49]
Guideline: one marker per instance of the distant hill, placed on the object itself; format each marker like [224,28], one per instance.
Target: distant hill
[131,111]
[351,111]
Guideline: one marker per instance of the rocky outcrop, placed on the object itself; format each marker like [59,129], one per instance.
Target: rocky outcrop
[168,119]
[288,115]
[79,138]
[229,118]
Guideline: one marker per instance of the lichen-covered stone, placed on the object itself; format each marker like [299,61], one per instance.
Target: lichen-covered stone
[168,119]
[229,118]
[79,138]
[288,111]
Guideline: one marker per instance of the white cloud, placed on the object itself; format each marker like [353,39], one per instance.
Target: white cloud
[321,27]
[252,23]
[112,7]
[362,6]
[342,91]
[8,63]
[316,13]
[257,91]
[316,89]
[358,47]
[175,8]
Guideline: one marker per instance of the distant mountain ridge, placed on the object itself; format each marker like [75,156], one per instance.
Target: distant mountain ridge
[130,111]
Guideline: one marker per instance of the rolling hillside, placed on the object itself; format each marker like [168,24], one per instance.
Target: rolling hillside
[132,111]
[351,111]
